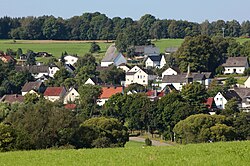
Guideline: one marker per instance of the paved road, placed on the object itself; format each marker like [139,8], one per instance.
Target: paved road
[154,143]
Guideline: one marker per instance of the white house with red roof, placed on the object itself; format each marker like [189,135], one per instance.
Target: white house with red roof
[107,92]
[54,93]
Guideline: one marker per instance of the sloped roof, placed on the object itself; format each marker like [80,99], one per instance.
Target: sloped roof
[199,76]
[12,98]
[210,103]
[111,54]
[107,92]
[31,86]
[70,106]
[33,69]
[53,91]
[242,92]
[235,62]
[155,58]
[181,78]
[231,94]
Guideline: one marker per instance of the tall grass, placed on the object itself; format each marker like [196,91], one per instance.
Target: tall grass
[230,153]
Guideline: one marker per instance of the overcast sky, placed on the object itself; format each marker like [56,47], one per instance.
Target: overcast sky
[191,10]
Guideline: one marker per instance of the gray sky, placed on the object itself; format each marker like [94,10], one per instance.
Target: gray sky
[191,10]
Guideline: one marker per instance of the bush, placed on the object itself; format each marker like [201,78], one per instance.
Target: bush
[7,137]
[148,142]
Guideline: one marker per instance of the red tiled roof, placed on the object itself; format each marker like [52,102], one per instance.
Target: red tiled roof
[107,92]
[53,91]
[152,93]
[8,58]
[209,102]
[70,106]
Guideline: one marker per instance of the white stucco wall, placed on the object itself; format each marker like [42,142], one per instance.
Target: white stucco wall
[169,72]
[231,70]
[70,60]
[220,101]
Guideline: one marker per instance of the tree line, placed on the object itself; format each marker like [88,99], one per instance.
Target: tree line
[97,26]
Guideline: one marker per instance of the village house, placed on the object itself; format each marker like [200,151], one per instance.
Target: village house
[54,93]
[146,50]
[36,71]
[221,99]
[137,75]
[33,87]
[124,67]
[107,92]
[13,98]
[178,81]
[94,81]
[171,71]
[6,58]
[157,61]
[210,104]
[235,65]
[71,96]
[113,56]
[52,70]
[70,59]
[170,50]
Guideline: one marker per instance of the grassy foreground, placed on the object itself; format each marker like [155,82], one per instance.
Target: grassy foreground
[231,153]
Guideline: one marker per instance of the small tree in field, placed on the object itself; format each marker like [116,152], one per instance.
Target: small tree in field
[94,48]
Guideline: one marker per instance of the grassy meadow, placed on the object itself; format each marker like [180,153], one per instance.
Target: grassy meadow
[230,153]
[56,47]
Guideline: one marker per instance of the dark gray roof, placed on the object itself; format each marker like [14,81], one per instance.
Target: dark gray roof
[33,69]
[231,94]
[130,73]
[199,77]
[31,86]
[155,58]
[111,54]
[242,92]
[235,62]
[174,78]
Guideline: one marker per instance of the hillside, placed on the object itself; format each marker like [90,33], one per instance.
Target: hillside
[230,153]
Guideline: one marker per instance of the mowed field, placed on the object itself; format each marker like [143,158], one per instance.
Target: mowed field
[230,153]
[56,47]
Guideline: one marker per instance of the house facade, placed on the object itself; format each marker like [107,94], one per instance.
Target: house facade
[171,71]
[71,96]
[33,87]
[137,75]
[53,70]
[157,61]
[70,59]
[235,65]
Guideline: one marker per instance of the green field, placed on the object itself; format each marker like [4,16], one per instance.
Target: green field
[54,47]
[78,47]
[165,43]
[232,153]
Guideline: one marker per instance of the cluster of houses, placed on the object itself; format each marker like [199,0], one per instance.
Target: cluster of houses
[170,80]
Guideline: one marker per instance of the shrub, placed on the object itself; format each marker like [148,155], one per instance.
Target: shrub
[148,142]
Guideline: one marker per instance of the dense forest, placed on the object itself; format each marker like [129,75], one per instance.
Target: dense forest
[97,26]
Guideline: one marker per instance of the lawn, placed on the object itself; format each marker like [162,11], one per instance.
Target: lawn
[231,153]
[165,43]
[54,47]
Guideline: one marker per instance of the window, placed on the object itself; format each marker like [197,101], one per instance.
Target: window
[217,99]
[220,99]
[138,76]
[143,80]
[73,94]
